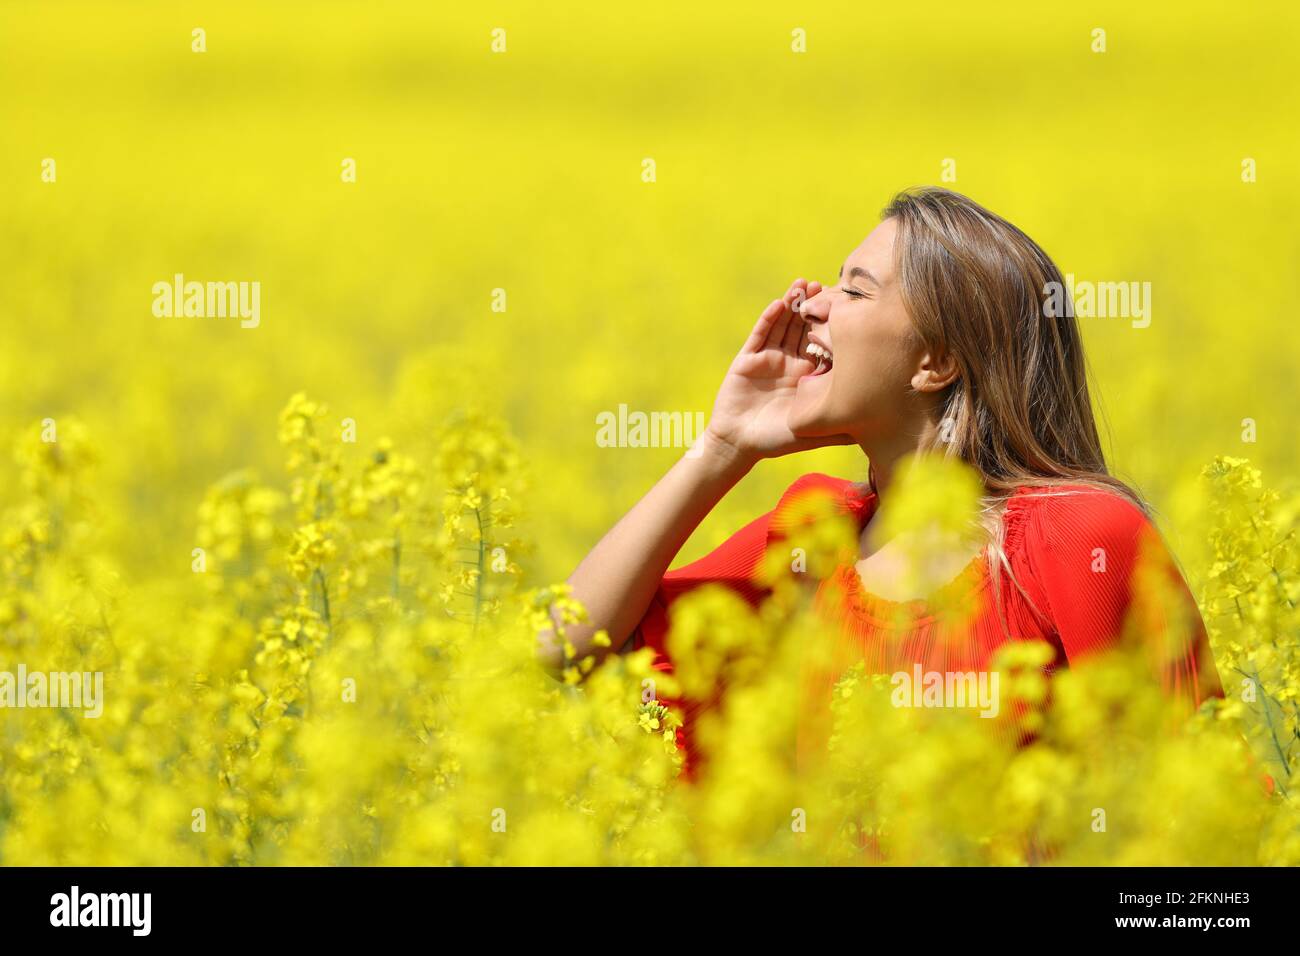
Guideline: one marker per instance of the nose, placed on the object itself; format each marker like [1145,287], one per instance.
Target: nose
[818,308]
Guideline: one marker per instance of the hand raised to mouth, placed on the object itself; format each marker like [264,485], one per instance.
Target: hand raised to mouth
[753,403]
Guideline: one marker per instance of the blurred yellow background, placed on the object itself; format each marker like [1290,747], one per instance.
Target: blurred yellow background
[522,170]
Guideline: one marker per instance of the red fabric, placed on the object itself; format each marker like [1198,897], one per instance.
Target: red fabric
[1052,546]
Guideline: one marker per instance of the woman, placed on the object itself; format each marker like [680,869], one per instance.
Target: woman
[934,339]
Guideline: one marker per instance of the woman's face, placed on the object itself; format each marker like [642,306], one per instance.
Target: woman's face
[875,353]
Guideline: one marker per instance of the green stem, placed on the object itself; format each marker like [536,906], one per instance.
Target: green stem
[397,556]
[1268,718]
[478,581]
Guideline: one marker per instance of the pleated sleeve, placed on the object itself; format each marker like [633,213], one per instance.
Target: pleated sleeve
[1104,574]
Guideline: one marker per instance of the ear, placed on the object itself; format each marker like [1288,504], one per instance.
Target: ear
[935,373]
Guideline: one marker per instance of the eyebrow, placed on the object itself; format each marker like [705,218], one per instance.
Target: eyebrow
[859,271]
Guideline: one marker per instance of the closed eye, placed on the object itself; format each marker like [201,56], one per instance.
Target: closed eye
[854,293]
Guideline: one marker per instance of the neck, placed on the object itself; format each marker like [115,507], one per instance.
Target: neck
[887,452]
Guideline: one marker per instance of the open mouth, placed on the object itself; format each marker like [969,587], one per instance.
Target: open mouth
[821,355]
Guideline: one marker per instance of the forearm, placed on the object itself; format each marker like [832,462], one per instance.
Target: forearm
[618,578]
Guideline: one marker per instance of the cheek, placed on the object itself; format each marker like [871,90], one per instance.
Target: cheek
[875,366]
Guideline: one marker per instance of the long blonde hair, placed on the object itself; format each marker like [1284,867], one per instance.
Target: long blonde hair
[1019,412]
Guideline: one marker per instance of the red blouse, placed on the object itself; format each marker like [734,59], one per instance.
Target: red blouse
[1050,543]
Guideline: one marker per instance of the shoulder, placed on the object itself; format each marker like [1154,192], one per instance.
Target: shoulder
[1069,517]
[816,481]
[815,485]
[817,495]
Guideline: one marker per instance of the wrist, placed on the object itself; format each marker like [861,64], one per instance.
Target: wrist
[722,457]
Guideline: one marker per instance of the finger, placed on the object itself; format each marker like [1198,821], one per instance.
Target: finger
[776,338]
[802,346]
[758,337]
[779,331]
[799,294]
[794,334]
[797,327]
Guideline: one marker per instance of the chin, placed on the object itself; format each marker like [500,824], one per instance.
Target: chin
[809,422]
